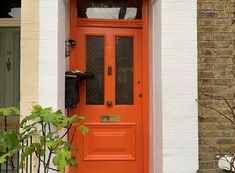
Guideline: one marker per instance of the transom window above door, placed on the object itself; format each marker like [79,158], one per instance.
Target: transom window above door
[10,9]
[109,9]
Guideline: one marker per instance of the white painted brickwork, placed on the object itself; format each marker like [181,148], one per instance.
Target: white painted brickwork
[53,32]
[175,68]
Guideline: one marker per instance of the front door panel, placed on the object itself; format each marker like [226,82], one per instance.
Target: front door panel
[112,100]
[9,67]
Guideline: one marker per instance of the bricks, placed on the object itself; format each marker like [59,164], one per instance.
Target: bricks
[216,70]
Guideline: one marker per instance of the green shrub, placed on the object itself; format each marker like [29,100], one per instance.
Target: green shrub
[43,126]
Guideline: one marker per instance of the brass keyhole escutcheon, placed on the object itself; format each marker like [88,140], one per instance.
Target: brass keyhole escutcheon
[109,103]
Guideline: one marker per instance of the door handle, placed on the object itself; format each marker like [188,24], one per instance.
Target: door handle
[8,65]
[109,103]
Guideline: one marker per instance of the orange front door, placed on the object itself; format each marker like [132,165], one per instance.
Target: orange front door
[112,100]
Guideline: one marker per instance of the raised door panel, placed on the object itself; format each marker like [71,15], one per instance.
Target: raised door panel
[10,67]
[110,142]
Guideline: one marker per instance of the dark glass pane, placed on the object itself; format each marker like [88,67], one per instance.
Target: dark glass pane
[10,9]
[95,65]
[124,70]
[109,9]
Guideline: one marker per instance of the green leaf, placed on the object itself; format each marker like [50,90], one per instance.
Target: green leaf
[52,144]
[8,154]
[27,135]
[83,118]
[75,118]
[26,152]
[62,158]
[3,157]
[12,139]
[74,148]
[11,111]
[36,108]
[83,129]
[39,149]
[72,119]
[2,142]
[28,118]
[72,162]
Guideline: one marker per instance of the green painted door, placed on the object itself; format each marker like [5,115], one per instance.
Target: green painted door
[9,67]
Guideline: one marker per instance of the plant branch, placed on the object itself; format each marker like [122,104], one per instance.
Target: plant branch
[67,131]
[74,131]
[44,134]
[220,113]
[5,122]
[53,169]
[49,158]
[226,101]
[39,162]
[231,163]
[230,107]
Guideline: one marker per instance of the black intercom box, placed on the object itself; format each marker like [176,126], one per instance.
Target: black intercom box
[73,80]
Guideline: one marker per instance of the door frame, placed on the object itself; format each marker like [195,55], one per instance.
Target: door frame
[146,70]
[8,22]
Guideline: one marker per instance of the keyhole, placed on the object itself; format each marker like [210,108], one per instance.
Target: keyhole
[8,65]
[110,70]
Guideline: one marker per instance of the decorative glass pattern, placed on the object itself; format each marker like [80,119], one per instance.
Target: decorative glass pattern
[10,9]
[124,70]
[95,65]
[83,6]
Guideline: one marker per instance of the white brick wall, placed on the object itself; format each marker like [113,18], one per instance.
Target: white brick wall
[53,32]
[175,86]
